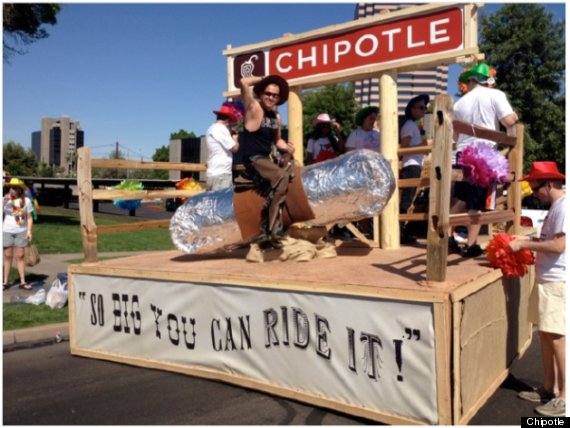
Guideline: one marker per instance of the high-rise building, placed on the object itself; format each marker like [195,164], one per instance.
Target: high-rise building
[432,81]
[57,142]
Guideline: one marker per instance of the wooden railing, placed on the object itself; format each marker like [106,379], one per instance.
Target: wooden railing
[439,180]
[86,195]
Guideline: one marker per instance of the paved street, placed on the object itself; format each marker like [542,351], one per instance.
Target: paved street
[46,385]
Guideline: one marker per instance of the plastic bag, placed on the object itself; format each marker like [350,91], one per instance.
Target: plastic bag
[38,298]
[31,255]
[57,294]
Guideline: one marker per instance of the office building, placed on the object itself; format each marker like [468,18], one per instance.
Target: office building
[57,142]
[432,81]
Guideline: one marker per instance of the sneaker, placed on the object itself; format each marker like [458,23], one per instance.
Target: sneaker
[537,395]
[452,246]
[472,251]
[555,407]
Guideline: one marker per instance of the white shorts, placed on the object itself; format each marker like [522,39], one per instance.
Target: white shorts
[547,307]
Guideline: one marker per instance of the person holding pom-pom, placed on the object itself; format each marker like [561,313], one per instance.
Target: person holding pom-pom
[548,297]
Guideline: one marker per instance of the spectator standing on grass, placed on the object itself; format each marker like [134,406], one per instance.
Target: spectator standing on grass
[221,143]
[547,302]
[16,230]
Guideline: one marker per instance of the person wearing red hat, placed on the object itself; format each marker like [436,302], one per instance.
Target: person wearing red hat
[221,143]
[267,156]
[547,301]
[488,107]
[16,230]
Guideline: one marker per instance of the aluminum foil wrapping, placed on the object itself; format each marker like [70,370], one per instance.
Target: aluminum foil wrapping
[353,186]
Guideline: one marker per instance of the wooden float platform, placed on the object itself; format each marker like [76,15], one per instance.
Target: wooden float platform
[476,324]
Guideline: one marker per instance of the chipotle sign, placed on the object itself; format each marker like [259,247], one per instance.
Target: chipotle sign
[407,38]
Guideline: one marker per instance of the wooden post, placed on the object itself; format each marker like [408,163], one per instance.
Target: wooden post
[516,156]
[440,189]
[389,219]
[85,194]
[295,114]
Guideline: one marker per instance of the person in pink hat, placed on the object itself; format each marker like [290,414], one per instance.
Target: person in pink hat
[326,141]
[547,301]
[221,144]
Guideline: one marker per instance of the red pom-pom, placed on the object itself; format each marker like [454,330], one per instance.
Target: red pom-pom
[500,255]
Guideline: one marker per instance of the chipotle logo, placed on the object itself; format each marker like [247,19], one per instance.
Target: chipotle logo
[247,65]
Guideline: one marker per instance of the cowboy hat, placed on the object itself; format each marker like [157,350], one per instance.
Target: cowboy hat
[544,170]
[413,101]
[480,72]
[274,79]
[228,112]
[322,118]
[364,112]
[16,182]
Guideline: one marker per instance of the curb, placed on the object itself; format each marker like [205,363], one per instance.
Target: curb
[35,336]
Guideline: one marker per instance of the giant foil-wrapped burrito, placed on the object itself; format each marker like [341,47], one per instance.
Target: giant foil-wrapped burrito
[350,187]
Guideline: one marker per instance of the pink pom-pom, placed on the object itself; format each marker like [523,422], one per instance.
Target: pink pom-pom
[483,165]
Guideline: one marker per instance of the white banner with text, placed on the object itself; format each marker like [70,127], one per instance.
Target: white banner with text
[361,351]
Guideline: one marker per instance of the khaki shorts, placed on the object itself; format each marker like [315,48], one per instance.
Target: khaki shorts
[547,307]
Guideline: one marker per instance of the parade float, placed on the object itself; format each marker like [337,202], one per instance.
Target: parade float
[398,335]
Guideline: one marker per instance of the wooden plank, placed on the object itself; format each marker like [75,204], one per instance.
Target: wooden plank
[466,417]
[414,217]
[456,354]
[475,285]
[516,156]
[481,218]
[456,175]
[150,224]
[502,139]
[85,197]
[440,189]
[359,235]
[113,194]
[415,150]
[390,238]
[442,320]
[130,164]
[420,294]
[295,118]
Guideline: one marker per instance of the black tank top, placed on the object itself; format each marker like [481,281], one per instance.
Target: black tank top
[259,142]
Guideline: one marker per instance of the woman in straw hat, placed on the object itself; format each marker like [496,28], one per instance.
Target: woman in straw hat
[16,229]
[547,302]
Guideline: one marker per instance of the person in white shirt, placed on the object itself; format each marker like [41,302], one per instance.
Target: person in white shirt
[366,136]
[16,230]
[484,106]
[412,134]
[326,142]
[547,302]
[221,143]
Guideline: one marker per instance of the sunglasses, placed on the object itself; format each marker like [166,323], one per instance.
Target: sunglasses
[271,95]
[538,187]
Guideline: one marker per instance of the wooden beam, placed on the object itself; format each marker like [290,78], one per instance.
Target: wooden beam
[515,157]
[129,164]
[295,117]
[127,227]
[440,189]
[85,196]
[502,139]
[114,194]
[481,218]
[390,238]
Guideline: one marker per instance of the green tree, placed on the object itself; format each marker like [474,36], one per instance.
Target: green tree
[45,170]
[182,134]
[162,154]
[526,46]
[116,153]
[22,22]
[18,161]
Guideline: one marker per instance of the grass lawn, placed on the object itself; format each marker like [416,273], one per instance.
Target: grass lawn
[58,231]
[27,315]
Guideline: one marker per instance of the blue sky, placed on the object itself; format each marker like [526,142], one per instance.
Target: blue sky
[134,73]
